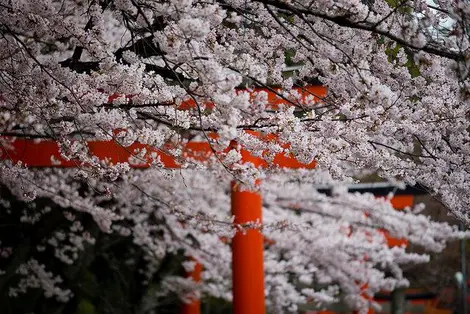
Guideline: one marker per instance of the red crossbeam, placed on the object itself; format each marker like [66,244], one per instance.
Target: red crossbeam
[46,153]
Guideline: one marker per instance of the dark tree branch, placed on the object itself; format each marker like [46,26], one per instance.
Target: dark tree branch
[344,20]
[143,47]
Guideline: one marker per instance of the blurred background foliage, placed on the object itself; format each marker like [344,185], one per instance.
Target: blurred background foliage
[106,277]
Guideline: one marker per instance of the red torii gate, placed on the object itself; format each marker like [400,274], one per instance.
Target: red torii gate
[247,247]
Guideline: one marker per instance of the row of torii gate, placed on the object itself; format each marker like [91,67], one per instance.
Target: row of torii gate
[246,206]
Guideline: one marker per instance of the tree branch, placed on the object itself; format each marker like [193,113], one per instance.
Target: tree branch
[344,20]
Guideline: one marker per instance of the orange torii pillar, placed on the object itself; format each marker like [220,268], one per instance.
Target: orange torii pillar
[247,253]
[248,243]
[194,307]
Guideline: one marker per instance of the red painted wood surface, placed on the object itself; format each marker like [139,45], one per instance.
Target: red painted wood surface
[46,154]
[398,202]
[402,201]
[193,307]
[247,253]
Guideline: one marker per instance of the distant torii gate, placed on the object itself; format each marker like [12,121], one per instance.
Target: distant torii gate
[247,247]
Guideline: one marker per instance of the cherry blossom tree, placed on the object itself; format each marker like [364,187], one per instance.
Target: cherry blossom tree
[73,71]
